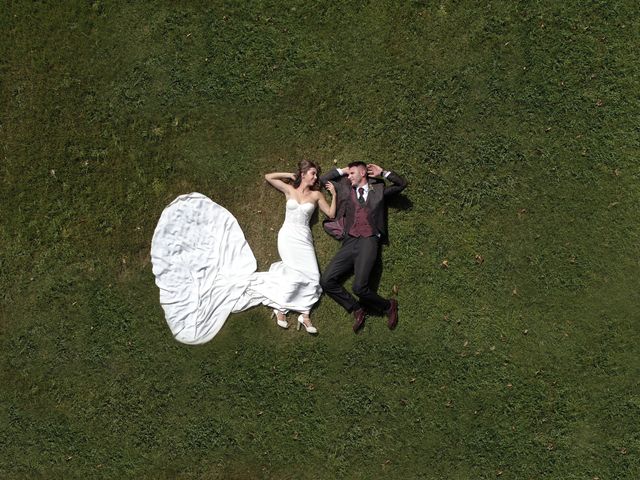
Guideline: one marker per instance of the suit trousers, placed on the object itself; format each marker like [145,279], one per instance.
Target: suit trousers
[357,255]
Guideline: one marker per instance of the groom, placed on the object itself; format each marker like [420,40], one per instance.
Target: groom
[361,203]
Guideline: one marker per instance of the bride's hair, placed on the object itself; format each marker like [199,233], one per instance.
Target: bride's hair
[303,167]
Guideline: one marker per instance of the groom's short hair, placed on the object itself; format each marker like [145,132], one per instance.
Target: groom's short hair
[357,164]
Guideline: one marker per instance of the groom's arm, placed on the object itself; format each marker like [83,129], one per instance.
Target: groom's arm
[332,175]
[398,183]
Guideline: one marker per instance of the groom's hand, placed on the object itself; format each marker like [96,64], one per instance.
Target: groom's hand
[374,170]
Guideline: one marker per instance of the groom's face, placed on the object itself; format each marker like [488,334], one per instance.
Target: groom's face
[357,175]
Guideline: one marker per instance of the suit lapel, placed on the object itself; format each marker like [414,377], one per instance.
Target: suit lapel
[373,193]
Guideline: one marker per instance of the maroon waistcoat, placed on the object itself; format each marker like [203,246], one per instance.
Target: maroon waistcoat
[361,226]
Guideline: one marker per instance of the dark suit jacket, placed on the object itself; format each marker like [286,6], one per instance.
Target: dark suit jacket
[378,191]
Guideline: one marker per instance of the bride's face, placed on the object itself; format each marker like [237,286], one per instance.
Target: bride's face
[310,176]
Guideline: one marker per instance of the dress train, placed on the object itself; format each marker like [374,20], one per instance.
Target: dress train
[205,269]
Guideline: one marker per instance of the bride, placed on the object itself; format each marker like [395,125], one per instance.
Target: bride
[299,267]
[205,269]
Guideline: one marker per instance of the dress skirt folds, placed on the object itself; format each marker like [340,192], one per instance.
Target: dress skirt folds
[206,270]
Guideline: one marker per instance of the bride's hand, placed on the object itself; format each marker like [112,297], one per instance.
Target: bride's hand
[329,186]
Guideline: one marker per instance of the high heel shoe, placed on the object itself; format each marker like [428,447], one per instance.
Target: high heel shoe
[309,329]
[281,323]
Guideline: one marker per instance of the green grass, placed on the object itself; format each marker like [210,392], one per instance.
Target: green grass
[516,124]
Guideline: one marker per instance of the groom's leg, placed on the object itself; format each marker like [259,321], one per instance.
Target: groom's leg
[340,266]
[364,266]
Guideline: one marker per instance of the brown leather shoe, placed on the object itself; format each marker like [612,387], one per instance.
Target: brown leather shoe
[359,316]
[392,314]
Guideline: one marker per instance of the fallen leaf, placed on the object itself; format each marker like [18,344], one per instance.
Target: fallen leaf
[445,263]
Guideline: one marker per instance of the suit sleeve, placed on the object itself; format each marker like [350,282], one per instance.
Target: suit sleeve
[331,176]
[398,184]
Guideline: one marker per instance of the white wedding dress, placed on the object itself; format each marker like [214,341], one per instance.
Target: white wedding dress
[206,270]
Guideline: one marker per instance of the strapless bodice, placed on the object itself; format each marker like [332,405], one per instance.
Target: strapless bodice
[298,213]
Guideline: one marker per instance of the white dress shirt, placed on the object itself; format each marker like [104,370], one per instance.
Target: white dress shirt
[385,174]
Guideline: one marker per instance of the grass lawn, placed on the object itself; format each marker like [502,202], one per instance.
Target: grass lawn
[515,247]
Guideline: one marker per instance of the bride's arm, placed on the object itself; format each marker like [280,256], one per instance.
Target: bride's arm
[329,211]
[276,180]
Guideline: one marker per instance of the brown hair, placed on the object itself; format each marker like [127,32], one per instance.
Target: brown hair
[359,163]
[303,167]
